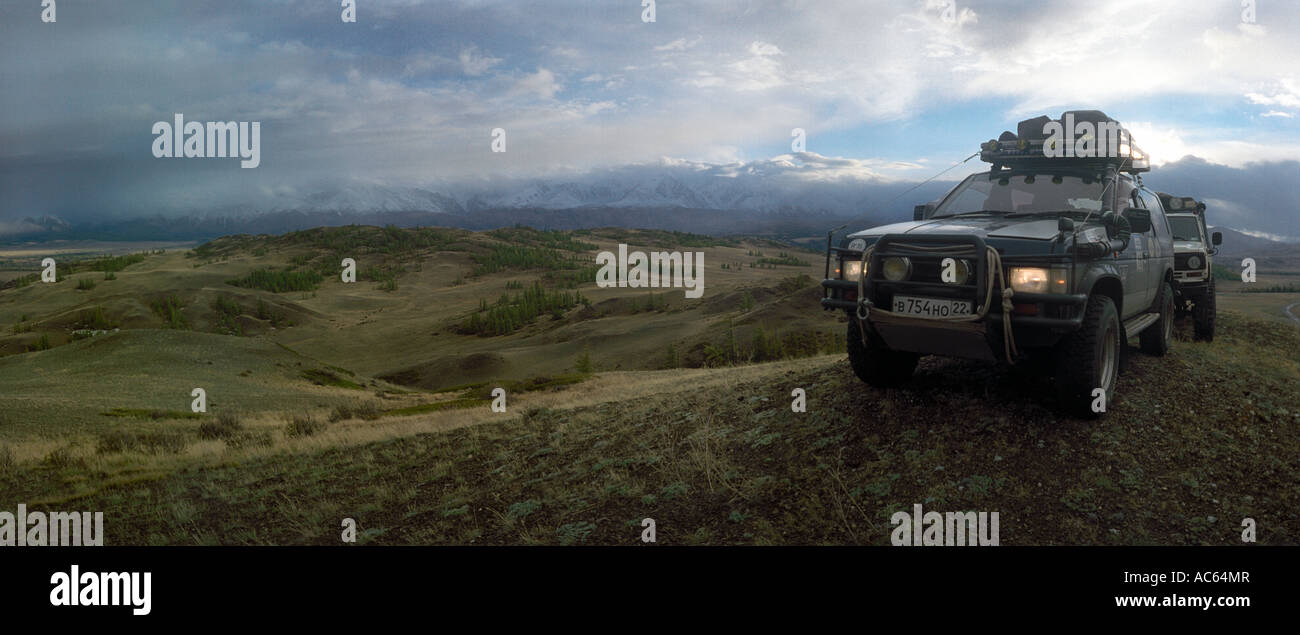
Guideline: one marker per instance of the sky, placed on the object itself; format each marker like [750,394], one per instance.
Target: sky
[411,92]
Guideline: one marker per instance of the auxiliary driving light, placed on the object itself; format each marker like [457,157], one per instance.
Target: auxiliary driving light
[850,269]
[962,269]
[896,268]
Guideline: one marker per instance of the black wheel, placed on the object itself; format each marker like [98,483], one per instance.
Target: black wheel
[1203,314]
[1089,358]
[876,364]
[1155,339]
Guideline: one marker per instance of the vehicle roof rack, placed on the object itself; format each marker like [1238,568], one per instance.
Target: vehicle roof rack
[1080,139]
[1181,204]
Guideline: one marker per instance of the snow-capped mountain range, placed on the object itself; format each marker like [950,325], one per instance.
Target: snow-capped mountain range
[802,194]
[785,183]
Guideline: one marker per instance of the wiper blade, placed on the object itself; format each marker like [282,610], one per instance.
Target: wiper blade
[1054,212]
[983,212]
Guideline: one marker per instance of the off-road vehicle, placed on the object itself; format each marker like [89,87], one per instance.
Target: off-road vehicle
[1194,248]
[1057,250]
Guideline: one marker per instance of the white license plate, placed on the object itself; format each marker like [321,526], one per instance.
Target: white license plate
[931,307]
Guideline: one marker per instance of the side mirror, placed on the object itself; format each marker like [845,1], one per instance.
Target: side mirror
[1117,231]
[1065,224]
[1139,220]
[1217,238]
[922,212]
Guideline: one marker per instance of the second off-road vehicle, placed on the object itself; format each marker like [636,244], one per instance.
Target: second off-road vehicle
[1058,249]
[1194,249]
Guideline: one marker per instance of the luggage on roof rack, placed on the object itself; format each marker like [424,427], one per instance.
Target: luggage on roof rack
[1080,138]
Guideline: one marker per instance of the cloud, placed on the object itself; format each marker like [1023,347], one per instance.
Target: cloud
[680,44]
[413,90]
[474,63]
[541,84]
[8,228]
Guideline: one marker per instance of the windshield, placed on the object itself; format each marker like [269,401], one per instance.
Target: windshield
[1185,228]
[1024,194]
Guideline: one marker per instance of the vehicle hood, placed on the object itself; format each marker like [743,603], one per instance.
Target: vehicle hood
[1188,245]
[988,227]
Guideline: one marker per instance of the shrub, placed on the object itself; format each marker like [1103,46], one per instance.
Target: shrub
[279,281]
[366,410]
[158,442]
[115,263]
[96,319]
[511,313]
[277,318]
[169,309]
[7,463]
[85,284]
[523,508]
[171,442]
[59,458]
[248,439]
[302,426]
[342,412]
[573,533]
[116,441]
[584,365]
[224,426]
[228,312]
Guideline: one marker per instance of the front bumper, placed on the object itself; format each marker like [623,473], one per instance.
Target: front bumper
[1039,319]
[1067,304]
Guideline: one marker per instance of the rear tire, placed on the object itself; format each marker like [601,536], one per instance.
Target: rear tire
[876,364]
[1155,339]
[1203,314]
[1089,358]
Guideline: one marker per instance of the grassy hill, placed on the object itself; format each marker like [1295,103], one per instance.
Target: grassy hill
[404,317]
[370,401]
[1197,442]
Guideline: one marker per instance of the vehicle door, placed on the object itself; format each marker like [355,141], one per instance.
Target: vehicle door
[1160,245]
[1131,262]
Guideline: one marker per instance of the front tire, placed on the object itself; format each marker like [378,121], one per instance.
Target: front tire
[1089,358]
[876,364]
[1155,339]
[1203,314]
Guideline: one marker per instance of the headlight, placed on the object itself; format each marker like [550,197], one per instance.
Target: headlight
[1038,279]
[961,270]
[1029,279]
[850,269]
[1194,262]
[896,268]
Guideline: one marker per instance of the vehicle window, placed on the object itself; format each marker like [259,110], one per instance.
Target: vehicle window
[1023,194]
[1185,228]
[1158,223]
[1125,194]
